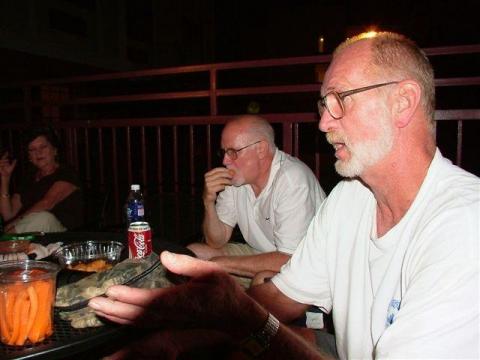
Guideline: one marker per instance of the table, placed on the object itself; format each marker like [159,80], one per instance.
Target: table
[67,341]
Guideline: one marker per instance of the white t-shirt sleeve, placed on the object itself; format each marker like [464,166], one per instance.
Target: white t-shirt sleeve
[304,278]
[225,207]
[439,311]
[293,213]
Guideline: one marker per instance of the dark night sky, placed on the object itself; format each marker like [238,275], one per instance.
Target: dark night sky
[277,28]
[261,29]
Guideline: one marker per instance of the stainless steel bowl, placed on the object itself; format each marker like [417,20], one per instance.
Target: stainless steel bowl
[87,251]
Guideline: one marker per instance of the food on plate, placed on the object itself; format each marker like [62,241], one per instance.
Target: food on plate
[92,266]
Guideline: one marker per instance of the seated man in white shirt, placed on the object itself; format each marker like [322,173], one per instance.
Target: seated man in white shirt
[393,252]
[271,195]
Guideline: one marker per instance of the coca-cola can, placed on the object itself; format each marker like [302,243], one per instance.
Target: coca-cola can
[139,240]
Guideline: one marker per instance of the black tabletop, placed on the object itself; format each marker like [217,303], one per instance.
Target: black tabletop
[67,341]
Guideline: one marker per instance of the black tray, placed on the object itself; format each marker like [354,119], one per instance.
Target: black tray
[64,342]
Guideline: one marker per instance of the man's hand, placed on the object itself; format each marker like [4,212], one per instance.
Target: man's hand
[215,181]
[210,300]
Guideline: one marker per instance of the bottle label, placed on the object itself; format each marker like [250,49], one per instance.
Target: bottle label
[135,211]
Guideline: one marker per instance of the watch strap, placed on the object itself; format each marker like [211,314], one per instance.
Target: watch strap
[257,343]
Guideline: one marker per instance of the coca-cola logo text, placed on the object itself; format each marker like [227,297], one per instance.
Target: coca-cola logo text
[139,242]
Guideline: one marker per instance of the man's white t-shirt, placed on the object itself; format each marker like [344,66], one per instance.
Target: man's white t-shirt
[414,292]
[278,218]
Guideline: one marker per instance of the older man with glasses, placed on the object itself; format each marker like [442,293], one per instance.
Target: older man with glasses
[271,195]
[393,252]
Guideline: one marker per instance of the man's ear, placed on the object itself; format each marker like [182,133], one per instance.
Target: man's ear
[407,101]
[262,149]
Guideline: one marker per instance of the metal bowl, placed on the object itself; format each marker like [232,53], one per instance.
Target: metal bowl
[88,251]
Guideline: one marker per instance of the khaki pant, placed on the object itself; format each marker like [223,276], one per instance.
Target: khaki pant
[237,249]
[39,221]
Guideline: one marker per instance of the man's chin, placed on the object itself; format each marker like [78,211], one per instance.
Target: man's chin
[238,182]
[348,169]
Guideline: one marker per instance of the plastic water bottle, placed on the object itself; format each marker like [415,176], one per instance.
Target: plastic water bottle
[134,206]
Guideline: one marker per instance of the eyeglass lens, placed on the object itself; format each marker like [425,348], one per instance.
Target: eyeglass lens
[333,104]
[231,153]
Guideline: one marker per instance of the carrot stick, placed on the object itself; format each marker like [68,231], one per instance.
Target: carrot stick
[49,327]
[24,310]
[44,290]
[12,291]
[17,310]
[5,331]
[32,294]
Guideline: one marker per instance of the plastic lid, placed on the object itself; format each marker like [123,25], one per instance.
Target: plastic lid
[135,187]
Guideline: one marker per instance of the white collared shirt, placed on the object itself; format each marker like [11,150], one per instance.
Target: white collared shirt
[278,218]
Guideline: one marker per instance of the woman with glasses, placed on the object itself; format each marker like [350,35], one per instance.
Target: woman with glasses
[49,197]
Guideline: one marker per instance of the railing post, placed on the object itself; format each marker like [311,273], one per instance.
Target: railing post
[213,92]
[287,137]
[27,103]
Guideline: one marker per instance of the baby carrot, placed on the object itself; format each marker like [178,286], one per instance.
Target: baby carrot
[24,310]
[5,332]
[12,291]
[32,294]
[42,320]
[17,316]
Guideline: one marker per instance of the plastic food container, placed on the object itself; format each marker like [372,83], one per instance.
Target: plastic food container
[91,255]
[11,243]
[27,297]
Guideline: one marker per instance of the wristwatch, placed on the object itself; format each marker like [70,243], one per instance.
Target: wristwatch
[256,344]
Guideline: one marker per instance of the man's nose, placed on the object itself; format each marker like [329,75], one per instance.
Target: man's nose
[327,122]
[226,160]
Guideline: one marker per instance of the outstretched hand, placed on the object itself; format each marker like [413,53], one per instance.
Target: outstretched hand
[210,300]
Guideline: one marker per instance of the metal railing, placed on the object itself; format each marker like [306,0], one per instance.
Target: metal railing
[160,127]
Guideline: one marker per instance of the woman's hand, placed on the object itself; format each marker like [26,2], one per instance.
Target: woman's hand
[10,228]
[6,166]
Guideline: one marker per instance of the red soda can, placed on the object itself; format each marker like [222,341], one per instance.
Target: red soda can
[139,240]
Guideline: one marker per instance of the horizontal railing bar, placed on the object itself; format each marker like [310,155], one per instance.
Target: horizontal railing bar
[460,114]
[457,114]
[315,59]
[453,50]
[194,94]
[137,97]
[459,81]
[301,88]
[185,120]
[269,89]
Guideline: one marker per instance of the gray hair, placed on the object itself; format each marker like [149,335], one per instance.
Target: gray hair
[257,126]
[399,57]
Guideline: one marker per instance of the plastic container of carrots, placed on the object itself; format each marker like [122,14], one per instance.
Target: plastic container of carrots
[27,296]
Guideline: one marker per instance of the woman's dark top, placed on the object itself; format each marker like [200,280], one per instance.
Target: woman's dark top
[70,210]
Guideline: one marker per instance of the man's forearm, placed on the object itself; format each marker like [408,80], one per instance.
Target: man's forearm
[213,229]
[252,264]
[284,344]
[284,308]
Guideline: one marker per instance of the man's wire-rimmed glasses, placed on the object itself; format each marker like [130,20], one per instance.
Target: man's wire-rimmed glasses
[333,101]
[233,153]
